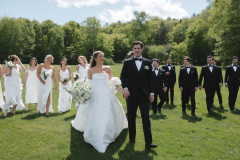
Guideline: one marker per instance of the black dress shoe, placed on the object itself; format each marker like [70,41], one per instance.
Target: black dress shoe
[210,112]
[131,142]
[193,114]
[148,146]
[221,106]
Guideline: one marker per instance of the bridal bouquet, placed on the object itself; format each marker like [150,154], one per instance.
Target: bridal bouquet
[46,74]
[9,65]
[64,79]
[75,76]
[81,91]
[114,83]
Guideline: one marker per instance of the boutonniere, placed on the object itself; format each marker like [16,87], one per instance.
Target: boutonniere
[146,67]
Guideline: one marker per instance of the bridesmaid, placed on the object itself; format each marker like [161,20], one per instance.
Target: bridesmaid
[82,69]
[1,95]
[31,80]
[13,87]
[64,78]
[45,74]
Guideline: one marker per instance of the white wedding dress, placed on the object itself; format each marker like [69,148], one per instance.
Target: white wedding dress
[31,91]
[44,90]
[13,90]
[65,98]
[102,118]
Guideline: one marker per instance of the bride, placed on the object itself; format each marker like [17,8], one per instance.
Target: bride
[102,118]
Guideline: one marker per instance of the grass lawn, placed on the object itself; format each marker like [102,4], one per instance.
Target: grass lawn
[31,135]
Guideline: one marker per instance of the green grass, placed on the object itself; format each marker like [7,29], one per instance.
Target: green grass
[30,135]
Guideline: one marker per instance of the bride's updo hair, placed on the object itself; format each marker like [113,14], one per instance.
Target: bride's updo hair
[45,59]
[12,57]
[93,62]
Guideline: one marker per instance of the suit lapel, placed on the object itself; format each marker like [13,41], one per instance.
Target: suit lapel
[142,67]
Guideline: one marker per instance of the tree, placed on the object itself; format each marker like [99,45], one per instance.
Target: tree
[92,27]
[224,21]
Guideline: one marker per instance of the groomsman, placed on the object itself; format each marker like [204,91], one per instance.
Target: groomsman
[188,84]
[211,82]
[218,89]
[160,86]
[171,75]
[232,79]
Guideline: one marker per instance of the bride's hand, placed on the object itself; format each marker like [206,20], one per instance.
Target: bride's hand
[43,82]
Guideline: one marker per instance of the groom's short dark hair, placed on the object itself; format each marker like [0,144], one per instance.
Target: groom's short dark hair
[156,60]
[138,43]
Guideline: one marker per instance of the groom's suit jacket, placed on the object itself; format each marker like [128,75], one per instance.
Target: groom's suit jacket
[137,82]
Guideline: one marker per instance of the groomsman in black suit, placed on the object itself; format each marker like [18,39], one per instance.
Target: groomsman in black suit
[160,86]
[171,75]
[188,84]
[232,81]
[137,81]
[218,89]
[211,82]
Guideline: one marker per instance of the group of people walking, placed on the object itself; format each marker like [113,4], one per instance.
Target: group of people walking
[38,81]
[189,83]
[102,118]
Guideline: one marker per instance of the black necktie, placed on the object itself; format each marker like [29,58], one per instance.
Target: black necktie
[137,59]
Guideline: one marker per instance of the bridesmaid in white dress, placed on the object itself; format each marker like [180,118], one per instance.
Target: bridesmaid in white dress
[13,86]
[82,69]
[101,119]
[1,95]
[45,74]
[64,78]
[30,81]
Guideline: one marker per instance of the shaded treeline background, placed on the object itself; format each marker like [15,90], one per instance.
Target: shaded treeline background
[215,31]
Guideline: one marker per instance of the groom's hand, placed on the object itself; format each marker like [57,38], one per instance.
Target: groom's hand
[126,93]
[151,98]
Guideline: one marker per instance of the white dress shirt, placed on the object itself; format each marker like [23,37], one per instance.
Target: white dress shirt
[169,67]
[234,68]
[156,71]
[210,68]
[138,63]
[188,70]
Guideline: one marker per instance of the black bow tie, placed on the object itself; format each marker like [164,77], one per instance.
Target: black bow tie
[209,65]
[187,67]
[156,69]
[169,65]
[235,65]
[137,59]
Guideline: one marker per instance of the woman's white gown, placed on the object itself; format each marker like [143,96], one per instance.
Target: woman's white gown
[44,90]
[102,118]
[1,96]
[13,90]
[31,91]
[65,99]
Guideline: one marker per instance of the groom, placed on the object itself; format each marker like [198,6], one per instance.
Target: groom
[137,81]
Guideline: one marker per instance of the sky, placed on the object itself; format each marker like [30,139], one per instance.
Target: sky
[107,11]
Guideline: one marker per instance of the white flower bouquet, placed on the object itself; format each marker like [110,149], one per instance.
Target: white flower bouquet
[46,74]
[75,76]
[81,91]
[114,83]
[64,79]
[9,65]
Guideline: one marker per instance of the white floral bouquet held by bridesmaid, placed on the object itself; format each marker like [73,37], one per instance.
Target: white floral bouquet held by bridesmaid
[75,76]
[46,74]
[9,65]
[81,91]
[64,78]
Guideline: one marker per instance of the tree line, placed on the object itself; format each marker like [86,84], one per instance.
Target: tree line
[215,31]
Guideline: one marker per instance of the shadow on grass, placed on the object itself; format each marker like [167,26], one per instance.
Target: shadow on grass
[236,111]
[217,116]
[82,150]
[157,116]
[192,119]
[37,115]
[69,118]
[220,110]
[169,106]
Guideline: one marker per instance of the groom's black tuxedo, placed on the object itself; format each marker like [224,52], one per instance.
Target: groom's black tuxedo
[140,85]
